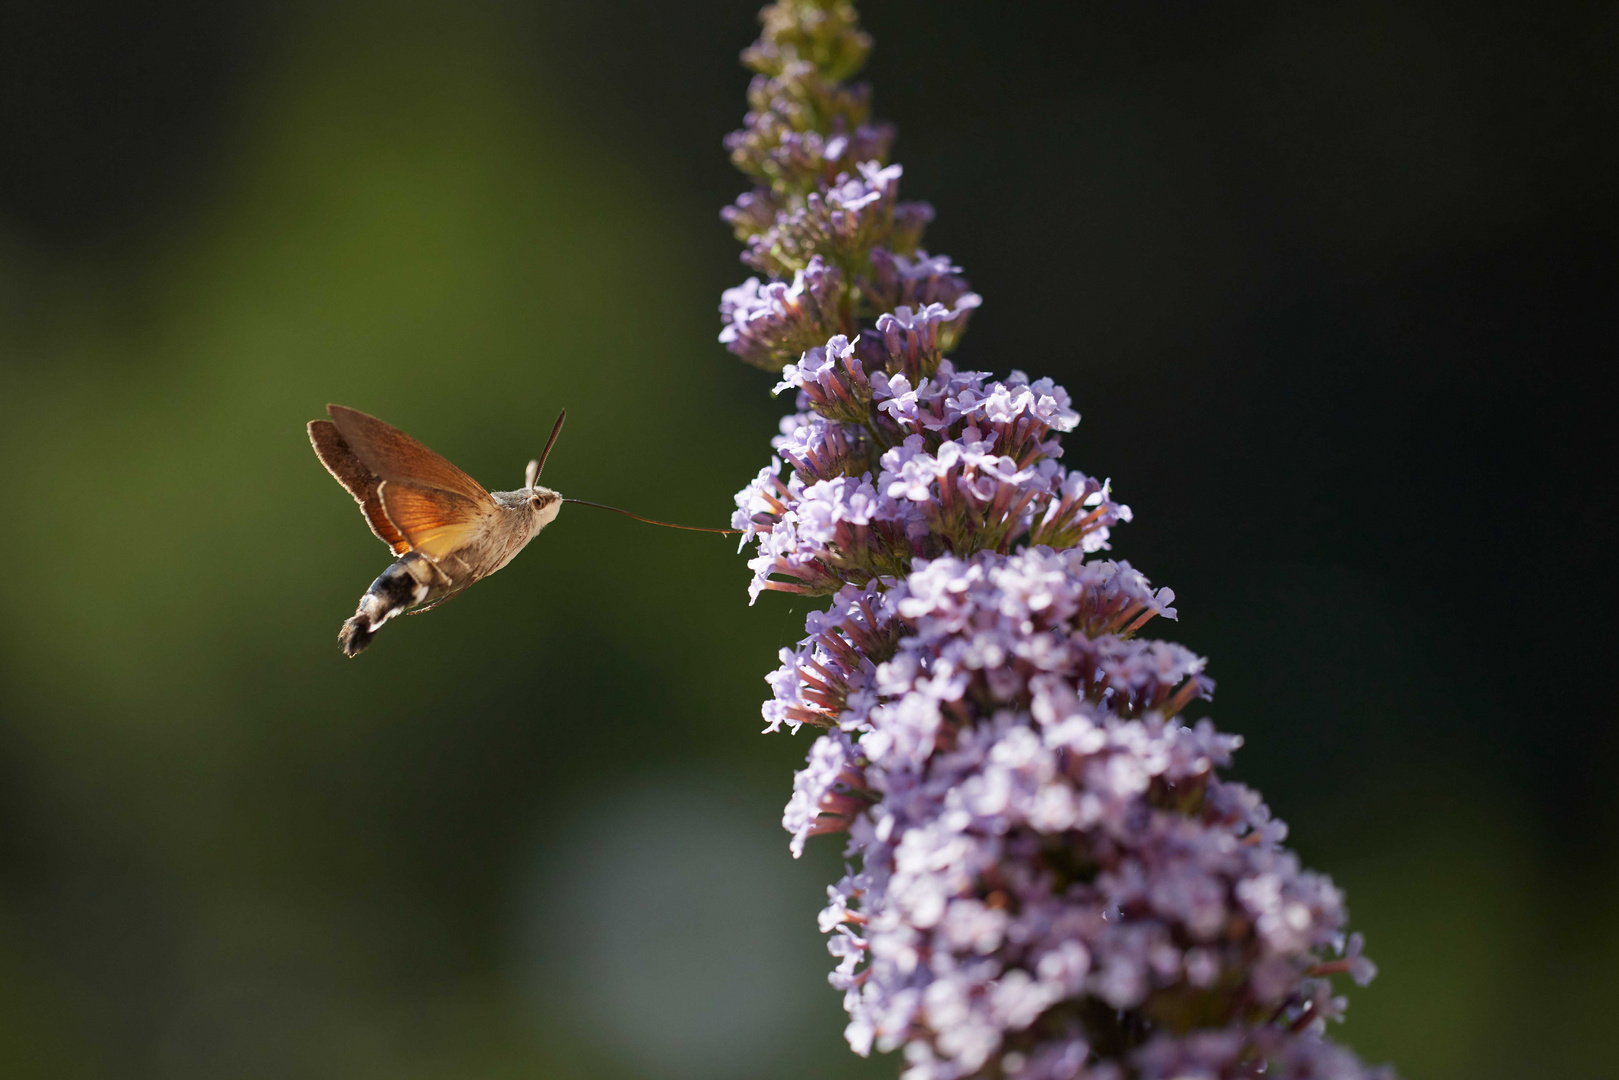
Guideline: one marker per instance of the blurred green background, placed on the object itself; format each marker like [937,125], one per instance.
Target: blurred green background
[1334,287]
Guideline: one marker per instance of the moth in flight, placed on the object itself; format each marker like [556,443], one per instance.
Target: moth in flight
[446,530]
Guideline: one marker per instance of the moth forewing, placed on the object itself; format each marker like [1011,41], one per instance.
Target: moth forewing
[360,482]
[393,455]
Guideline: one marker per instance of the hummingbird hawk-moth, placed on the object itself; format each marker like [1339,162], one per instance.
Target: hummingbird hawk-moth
[446,530]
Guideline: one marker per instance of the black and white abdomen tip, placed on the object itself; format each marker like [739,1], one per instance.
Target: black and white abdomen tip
[394,591]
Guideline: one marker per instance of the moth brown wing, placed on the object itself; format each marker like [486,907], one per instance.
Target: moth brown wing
[360,482]
[434,522]
[393,455]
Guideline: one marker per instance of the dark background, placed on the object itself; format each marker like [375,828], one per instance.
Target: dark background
[1334,286]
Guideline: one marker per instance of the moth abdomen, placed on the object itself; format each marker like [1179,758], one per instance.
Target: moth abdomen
[355,634]
[402,586]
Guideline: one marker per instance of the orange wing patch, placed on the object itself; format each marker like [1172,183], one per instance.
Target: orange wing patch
[434,522]
[392,455]
[360,482]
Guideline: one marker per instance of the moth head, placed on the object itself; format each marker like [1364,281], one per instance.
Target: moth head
[543,504]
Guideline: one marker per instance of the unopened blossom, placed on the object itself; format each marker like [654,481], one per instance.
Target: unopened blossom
[1048,878]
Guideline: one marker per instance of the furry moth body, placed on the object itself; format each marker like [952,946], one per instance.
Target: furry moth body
[446,530]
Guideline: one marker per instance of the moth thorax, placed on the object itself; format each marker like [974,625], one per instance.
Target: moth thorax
[537,505]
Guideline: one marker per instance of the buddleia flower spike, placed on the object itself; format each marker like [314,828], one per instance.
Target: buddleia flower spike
[1049,878]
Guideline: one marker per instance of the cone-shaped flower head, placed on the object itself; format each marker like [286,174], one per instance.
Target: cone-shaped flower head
[1049,878]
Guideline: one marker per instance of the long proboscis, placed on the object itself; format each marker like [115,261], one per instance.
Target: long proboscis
[655,521]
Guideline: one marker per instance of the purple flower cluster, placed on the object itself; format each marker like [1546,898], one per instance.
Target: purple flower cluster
[1048,878]
[900,466]
[1043,848]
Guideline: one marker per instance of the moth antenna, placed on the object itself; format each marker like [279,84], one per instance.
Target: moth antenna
[535,467]
[654,521]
